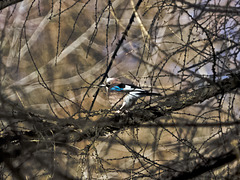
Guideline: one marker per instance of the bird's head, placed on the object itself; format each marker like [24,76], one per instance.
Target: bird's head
[112,81]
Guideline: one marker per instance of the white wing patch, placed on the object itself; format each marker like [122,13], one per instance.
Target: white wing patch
[128,88]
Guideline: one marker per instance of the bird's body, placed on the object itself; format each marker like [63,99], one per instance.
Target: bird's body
[123,96]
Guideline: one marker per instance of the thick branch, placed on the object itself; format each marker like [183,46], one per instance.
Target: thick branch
[162,107]
[6,3]
[113,122]
[212,163]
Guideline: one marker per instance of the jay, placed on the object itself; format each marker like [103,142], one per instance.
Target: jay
[124,95]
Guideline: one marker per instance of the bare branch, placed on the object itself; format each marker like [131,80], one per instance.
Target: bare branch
[6,3]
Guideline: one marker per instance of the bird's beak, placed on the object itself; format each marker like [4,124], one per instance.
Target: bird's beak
[102,85]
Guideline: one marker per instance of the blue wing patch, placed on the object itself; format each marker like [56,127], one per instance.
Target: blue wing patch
[116,88]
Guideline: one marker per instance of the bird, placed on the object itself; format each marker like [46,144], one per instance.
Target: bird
[123,95]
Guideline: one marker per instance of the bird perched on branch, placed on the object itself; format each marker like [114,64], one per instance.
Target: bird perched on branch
[124,95]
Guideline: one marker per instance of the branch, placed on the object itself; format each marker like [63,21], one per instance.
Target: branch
[162,107]
[124,35]
[6,3]
[216,157]
[64,131]
[212,163]
[112,122]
